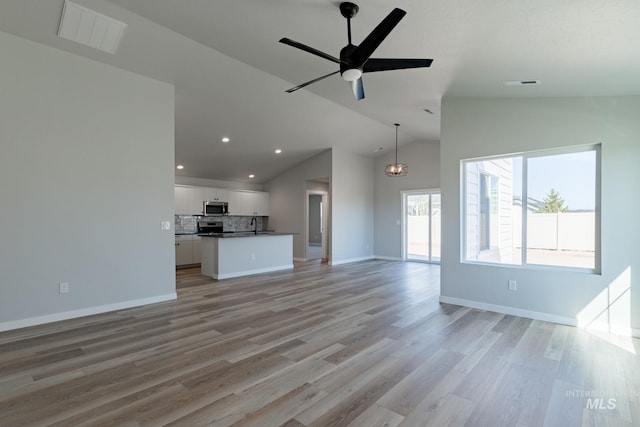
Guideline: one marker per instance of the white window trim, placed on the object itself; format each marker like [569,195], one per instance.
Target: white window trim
[597,148]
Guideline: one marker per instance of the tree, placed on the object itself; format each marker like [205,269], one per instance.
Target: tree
[553,203]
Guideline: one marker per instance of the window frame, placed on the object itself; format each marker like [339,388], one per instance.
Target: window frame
[525,156]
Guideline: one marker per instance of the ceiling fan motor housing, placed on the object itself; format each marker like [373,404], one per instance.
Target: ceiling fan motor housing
[348,70]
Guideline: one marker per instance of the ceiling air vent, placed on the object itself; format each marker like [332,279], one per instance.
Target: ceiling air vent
[90,28]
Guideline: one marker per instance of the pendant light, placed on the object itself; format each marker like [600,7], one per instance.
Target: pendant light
[396,169]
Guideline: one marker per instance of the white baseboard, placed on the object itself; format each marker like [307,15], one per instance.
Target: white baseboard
[300,259]
[65,315]
[388,258]
[250,272]
[347,261]
[537,315]
[529,314]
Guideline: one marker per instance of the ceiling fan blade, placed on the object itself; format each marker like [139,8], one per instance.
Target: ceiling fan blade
[383,64]
[293,89]
[373,40]
[309,49]
[357,88]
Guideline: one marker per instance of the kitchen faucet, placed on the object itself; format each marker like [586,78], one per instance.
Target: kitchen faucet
[255,221]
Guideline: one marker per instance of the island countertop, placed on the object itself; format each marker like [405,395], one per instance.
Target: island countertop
[246,234]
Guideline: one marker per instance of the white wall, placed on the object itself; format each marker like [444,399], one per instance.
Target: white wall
[423,161]
[351,207]
[86,177]
[482,127]
[288,198]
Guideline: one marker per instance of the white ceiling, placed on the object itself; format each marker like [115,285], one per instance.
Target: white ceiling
[230,72]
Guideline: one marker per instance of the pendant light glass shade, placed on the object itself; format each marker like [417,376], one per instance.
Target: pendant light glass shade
[396,169]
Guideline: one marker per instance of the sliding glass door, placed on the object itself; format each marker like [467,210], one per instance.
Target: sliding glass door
[421,220]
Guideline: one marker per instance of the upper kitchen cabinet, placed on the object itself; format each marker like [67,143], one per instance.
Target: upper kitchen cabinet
[248,203]
[180,198]
[188,200]
[216,194]
[260,203]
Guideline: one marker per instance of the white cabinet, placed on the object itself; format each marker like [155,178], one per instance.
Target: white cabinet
[195,199]
[195,250]
[188,200]
[248,203]
[261,203]
[216,194]
[187,249]
[239,203]
[180,199]
[184,250]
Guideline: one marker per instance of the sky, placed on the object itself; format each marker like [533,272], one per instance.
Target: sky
[572,175]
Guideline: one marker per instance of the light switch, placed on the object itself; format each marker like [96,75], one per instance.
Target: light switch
[165,225]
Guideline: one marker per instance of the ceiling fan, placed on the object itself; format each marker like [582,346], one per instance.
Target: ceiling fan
[355,60]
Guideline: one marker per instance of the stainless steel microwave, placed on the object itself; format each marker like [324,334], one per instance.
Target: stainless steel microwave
[211,208]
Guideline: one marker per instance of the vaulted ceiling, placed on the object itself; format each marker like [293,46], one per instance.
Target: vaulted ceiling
[230,73]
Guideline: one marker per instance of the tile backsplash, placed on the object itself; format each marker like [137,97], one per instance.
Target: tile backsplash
[188,224]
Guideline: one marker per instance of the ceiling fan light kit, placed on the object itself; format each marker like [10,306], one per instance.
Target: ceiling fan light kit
[356,60]
[396,169]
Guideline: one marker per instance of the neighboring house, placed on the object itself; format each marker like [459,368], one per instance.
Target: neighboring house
[489,195]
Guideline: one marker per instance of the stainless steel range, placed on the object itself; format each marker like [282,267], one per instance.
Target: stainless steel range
[210,227]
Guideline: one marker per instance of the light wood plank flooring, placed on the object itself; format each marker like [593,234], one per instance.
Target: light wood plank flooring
[362,344]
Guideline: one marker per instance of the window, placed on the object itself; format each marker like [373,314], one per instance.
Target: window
[538,208]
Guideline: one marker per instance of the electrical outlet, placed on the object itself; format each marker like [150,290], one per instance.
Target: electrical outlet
[64,287]
[512,285]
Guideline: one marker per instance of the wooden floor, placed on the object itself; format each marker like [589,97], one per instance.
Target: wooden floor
[362,344]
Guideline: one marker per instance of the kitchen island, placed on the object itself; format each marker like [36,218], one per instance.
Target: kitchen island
[241,254]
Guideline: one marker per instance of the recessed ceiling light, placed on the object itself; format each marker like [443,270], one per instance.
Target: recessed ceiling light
[521,82]
[252,176]
[179,167]
[278,151]
[225,139]
[378,149]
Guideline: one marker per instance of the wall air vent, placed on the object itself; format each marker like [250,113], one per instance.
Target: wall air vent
[521,82]
[90,28]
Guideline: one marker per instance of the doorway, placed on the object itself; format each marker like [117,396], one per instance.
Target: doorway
[316,225]
[421,225]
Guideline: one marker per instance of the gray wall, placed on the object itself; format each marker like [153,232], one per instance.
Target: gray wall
[288,198]
[477,127]
[86,177]
[351,207]
[423,160]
